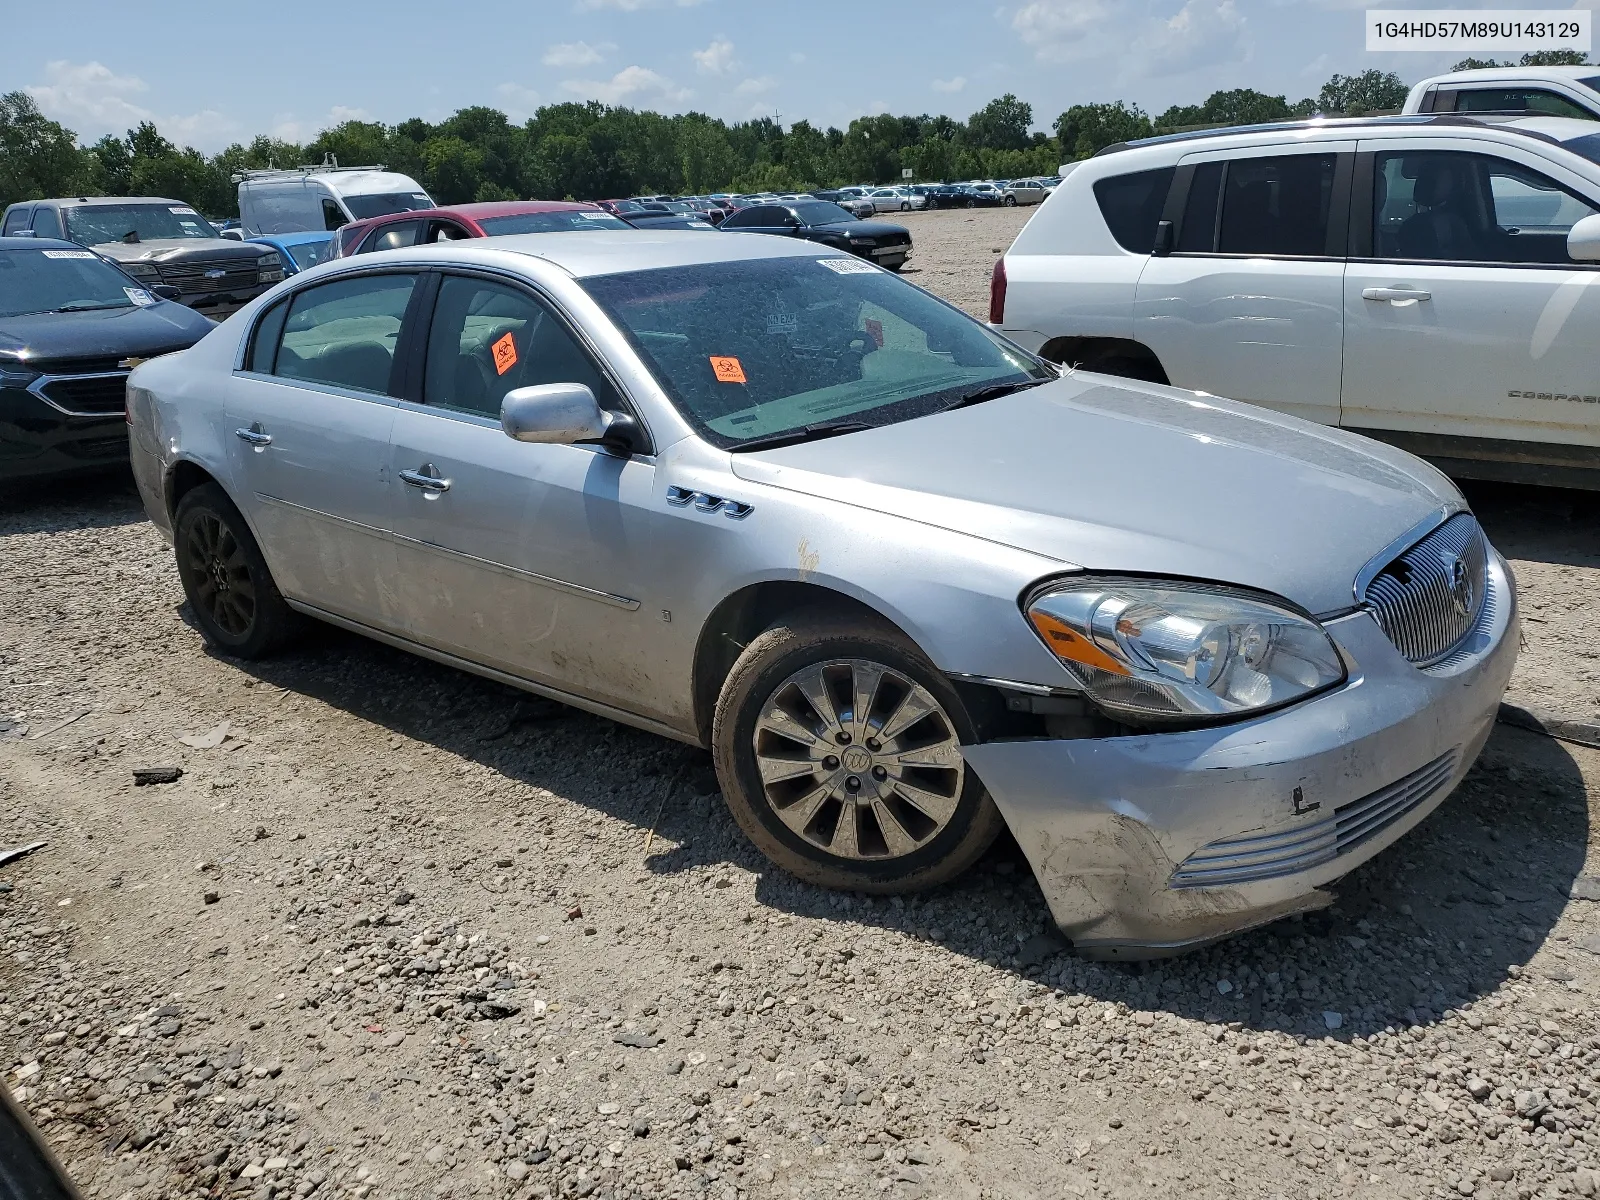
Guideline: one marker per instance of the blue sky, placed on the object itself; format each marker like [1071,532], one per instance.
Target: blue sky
[210,74]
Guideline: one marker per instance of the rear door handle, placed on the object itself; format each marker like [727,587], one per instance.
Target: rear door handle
[427,479]
[1399,295]
[254,436]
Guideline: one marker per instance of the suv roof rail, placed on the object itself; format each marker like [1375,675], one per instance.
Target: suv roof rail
[326,167]
[1378,122]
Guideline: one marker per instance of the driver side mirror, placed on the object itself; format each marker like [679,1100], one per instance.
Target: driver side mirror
[561,414]
[233,235]
[165,291]
[1583,239]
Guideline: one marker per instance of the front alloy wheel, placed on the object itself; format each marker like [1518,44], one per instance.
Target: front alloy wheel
[858,760]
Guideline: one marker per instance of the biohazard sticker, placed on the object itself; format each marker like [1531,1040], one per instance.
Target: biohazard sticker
[504,350]
[727,369]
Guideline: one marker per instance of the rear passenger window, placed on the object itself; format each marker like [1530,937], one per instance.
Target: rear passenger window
[394,237]
[1131,206]
[1277,205]
[343,333]
[16,219]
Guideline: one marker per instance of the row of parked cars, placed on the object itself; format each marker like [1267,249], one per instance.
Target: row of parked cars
[1200,655]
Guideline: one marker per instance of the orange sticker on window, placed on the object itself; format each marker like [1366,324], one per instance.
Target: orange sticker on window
[875,331]
[727,370]
[505,353]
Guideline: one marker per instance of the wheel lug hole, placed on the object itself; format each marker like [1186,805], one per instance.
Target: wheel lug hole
[880,774]
[842,738]
[873,744]
[852,784]
[831,762]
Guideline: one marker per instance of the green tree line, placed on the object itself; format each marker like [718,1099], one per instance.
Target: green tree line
[593,151]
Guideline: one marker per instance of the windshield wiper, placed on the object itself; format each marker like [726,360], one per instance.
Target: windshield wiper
[806,433]
[86,305]
[991,391]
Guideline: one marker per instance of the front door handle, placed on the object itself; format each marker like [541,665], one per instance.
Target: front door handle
[1396,295]
[427,479]
[254,436]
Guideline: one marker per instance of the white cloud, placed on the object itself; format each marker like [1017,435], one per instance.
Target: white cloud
[93,99]
[756,87]
[576,54]
[520,102]
[715,59]
[288,128]
[629,85]
[950,85]
[1201,31]
[1055,27]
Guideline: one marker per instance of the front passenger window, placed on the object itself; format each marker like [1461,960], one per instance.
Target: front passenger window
[394,237]
[343,333]
[487,339]
[46,223]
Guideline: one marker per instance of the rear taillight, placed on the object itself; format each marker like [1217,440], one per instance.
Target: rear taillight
[997,292]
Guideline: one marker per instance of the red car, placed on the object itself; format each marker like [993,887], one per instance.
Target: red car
[494,219]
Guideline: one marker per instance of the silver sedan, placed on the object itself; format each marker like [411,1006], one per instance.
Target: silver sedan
[909,584]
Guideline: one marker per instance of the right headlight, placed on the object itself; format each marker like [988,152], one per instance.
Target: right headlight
[1152,650]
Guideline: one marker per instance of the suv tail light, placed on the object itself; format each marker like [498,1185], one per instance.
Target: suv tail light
[997,292]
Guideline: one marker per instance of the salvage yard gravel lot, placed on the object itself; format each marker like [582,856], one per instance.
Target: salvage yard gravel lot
[397,931]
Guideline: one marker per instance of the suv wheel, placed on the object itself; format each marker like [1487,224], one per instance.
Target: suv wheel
[838,746]
[235,601]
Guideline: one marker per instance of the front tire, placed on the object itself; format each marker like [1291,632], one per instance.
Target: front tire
[838,747]
[233,596]
[1011,201]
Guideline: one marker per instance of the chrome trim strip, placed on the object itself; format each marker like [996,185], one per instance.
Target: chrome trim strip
[1400,545]
[38,385]
[517,681]
[560,585]
[1011,685]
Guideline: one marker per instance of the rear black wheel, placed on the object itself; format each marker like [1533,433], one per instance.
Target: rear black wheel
[235,601]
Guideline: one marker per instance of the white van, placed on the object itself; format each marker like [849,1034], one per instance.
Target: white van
[308,198]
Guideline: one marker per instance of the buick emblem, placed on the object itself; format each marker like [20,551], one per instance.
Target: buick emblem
[215,273]
[1461,587]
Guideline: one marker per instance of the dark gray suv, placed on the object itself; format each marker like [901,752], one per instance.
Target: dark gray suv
[156,241]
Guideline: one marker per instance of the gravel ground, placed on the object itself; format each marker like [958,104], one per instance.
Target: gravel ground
[397,931]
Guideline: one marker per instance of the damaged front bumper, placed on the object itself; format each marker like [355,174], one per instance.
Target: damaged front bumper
[1151,844]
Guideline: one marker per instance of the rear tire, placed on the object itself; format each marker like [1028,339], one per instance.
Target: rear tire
[233,596]
[909,815]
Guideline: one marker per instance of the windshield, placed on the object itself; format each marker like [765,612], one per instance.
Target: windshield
[820,212]
[761,347]
[93,224]
[550,222]
[34,281]
[381,204]
[308,254]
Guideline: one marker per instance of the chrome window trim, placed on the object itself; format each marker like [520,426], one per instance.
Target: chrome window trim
[39,384]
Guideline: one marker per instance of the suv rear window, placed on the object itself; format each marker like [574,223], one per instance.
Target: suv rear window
[1131,206]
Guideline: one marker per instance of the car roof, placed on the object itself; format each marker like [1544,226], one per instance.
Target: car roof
[1491,74]
[482,211]
[75,200]
[1547,129]
[608,252]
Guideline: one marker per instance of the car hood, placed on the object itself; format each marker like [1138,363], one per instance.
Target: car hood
[163,250]
[862,228]
[1132,478]
[40,338]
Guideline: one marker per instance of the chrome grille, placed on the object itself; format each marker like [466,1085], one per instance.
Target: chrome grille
[190,276]
[96,394]
[1427,600]
[1267,856]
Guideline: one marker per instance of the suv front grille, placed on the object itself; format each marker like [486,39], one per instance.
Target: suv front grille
[1427,600]
[85,395]
[191,277]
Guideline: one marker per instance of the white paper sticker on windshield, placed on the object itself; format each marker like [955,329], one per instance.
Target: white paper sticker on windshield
[182,208]
[70,254]
[848,266]
[140,297]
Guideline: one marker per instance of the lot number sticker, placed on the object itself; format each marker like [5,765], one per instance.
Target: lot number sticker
[505,353]
[70,254]
[727,370]
[848,266]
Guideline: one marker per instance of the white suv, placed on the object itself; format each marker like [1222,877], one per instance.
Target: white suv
[1548,91]
[1430,281]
